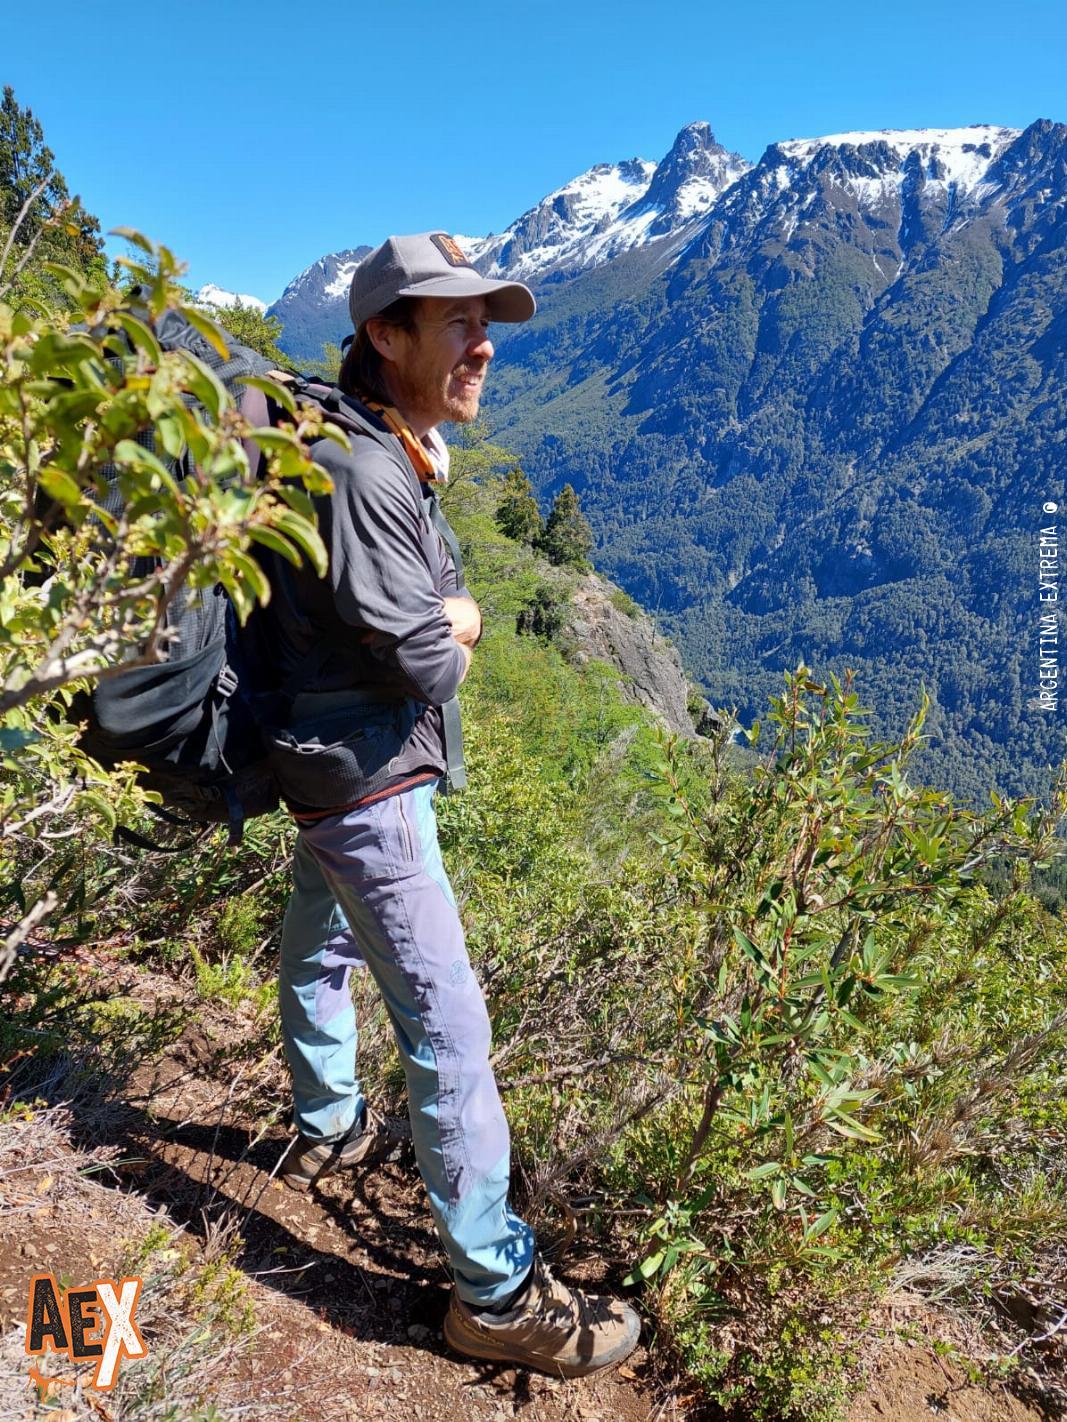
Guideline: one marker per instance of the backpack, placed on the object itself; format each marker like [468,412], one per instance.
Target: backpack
[189,721]
[209,727]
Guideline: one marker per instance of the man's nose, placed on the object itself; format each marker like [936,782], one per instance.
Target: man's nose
[480,346]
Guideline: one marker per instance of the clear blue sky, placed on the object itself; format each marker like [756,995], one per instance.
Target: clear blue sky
[254,137]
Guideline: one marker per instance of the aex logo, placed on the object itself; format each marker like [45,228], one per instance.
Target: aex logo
[68,1323]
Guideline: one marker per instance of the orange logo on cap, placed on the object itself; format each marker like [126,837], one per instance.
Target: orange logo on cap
[450,249]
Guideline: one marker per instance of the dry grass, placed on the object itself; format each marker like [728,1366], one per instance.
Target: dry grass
[200,1336]
[1009,1316]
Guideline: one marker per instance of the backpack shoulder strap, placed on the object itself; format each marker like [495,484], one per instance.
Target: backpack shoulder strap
[447,532]
[347,413]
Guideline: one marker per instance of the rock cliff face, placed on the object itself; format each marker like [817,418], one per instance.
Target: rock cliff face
[606,625]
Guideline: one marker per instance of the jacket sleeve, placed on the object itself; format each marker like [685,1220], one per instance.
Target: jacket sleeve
[382,577]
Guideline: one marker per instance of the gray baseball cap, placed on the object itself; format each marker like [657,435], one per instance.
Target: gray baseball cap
[430,264]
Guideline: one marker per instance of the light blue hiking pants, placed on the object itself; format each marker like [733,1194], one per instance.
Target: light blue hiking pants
[369,886]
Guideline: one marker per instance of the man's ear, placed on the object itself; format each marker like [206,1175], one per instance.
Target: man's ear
[385,337]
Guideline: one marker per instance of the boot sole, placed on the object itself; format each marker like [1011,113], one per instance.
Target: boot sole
[476,1345]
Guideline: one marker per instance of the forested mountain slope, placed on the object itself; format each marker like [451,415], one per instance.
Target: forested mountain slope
[813,407]
[827,430]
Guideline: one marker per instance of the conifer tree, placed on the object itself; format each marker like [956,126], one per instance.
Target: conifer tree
[51,226]
[517,514]
[26,164]
[567,538]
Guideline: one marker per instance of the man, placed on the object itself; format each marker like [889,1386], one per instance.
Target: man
[369,660]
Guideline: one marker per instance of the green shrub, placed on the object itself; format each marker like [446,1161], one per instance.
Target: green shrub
[624,603]
[868,1048]
[240,924]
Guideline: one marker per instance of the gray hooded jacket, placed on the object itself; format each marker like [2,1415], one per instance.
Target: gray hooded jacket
[368,646]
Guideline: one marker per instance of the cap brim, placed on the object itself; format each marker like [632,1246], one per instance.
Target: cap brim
[507,300]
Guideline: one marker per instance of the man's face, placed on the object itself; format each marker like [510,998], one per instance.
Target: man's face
[437,371]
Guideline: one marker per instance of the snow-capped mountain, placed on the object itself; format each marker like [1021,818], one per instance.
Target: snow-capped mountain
[313,308]
[958,157]
[690,179]
[809,405]
[212,295]
[611,209]
[817,434]
[586,207]
[902,186]
[329,277]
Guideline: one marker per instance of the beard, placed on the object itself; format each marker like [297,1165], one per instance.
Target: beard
[460,398]
[429,392]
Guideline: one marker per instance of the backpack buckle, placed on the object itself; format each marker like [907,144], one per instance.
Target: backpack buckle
[226,682]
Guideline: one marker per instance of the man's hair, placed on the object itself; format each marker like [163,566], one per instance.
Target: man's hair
[361,369]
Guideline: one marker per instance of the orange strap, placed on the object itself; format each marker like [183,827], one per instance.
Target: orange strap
[414,448]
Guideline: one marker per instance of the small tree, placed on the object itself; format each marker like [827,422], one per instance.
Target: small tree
[567,538]
[327,364]
[517,514]
[86,390]
[252,328]
[542,616]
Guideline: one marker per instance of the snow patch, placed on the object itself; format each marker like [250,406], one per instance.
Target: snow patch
[584,210]
[956,150]
[620,237]
[342,281]
[695,197]
[872,191]
[473,247]
[212,295]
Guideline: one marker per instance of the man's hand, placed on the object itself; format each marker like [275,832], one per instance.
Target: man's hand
[465,619]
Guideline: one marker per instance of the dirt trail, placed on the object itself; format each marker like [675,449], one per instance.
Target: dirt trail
[357,1260]
[912,1383]
[348,1283]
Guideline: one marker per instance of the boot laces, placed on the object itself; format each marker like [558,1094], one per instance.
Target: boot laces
[573,1307]
[396,1127]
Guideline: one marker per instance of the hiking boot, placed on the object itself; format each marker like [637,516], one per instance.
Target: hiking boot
[373,1138]
[549,1327]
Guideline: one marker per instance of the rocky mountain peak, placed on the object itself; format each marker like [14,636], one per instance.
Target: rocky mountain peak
[313,308]
[1037,158]
[960,157]
[612,208]
[694,153]
[896,188]
[553,233]
[686,184]
[327,278]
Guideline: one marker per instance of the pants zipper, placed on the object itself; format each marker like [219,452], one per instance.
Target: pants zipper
[407,829]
